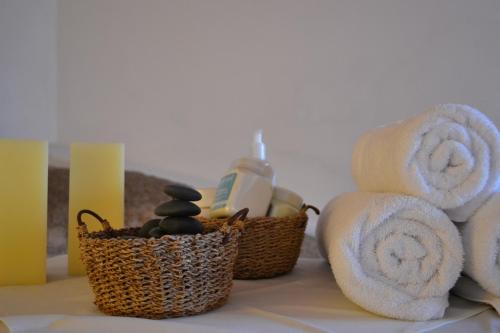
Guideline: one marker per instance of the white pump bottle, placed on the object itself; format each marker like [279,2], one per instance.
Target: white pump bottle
[247,184]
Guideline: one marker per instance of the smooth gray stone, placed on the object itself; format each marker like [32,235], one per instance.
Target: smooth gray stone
[144,231]
[129,237]
[156,232]
[176,208]
[181,226]
[182,192]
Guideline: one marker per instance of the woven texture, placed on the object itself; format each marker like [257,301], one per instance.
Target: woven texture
[269,246]
[175,275]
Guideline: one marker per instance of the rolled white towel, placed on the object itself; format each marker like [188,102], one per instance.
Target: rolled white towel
[449,155]
[481,241]
[393,255]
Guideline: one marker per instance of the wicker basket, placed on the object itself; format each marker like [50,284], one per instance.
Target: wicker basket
[173,276]
[269,246]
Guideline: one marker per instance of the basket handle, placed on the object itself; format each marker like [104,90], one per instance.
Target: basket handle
[306,207]
[105,224]
[239,216]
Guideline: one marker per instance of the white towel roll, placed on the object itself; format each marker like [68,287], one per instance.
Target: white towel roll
[449,155]
[393,255]
[481,240]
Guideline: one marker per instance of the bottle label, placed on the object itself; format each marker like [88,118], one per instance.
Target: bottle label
[224,190]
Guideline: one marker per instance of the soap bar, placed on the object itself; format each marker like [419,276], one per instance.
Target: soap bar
[23,211]
[96,182]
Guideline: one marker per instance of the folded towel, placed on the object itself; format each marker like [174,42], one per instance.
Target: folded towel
[481,241]
[394,255]
[449,155]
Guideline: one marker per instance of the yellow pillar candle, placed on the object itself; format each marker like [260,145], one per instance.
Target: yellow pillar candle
[23,211]
[96,182]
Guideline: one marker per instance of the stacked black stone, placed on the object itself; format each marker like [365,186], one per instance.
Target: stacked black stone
[177,214]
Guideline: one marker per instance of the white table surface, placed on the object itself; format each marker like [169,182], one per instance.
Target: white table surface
[307,300]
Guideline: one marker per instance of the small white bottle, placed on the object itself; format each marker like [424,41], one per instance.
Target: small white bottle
[247,184]
[284,203]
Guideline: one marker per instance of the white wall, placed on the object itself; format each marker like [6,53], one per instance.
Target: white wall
[28,69]
[184,83]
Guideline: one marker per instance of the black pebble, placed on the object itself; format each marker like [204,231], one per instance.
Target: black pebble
[156,232]
[182,192]
[181,225]
[177,208]
[146,227]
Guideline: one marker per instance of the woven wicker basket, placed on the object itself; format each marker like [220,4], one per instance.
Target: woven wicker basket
[173,276]
[269,246]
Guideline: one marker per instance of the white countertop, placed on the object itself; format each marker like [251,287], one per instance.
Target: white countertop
[307,300]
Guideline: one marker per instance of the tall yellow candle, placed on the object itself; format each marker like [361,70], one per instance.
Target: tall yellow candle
[23,211]
[96,182]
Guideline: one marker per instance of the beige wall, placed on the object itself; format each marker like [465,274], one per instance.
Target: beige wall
[28,69]
[185,83]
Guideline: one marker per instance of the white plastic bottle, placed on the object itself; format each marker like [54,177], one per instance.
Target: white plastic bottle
[247,184]
[207,198]
[284,203]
